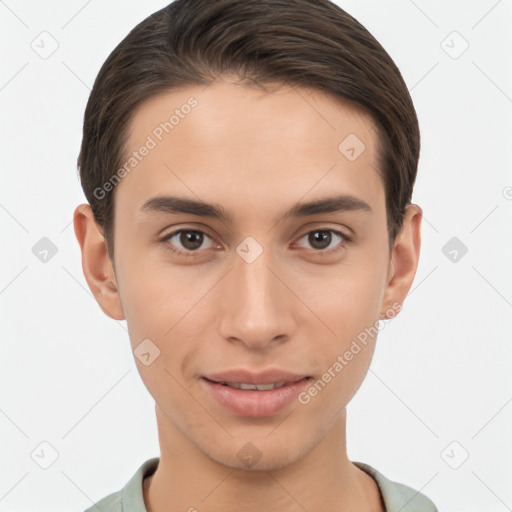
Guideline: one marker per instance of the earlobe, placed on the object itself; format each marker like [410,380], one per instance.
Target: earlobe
[96,264]
[403,262]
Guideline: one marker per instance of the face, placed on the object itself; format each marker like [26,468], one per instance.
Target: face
[284,270]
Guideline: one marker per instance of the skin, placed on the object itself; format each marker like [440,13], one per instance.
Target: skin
[257,154]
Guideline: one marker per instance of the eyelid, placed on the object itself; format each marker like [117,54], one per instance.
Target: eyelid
[336,229]
[203,228]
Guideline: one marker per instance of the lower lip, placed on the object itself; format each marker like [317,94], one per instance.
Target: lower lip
[255,403]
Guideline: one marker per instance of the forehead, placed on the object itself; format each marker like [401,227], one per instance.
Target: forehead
[233,143]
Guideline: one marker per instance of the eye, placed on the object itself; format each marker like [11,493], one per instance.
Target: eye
[187,240]
[322,239]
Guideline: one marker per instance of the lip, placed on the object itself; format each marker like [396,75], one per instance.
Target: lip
[255,403]
[268,376]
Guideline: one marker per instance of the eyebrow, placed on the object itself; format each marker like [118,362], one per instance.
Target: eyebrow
[176,205]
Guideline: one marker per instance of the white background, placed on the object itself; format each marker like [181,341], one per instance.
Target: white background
[441,371]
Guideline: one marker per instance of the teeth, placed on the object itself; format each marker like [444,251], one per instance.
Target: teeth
[259,387]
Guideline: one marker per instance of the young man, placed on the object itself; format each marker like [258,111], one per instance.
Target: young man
[249,166]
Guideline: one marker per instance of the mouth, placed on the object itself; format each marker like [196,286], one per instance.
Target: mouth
[255,400]
[253,387]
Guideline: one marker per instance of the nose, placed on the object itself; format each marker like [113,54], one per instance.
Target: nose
[256,306]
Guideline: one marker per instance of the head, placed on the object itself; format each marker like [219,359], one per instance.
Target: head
[262,110]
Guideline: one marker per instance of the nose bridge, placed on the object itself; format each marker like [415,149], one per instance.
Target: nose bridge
[254,300]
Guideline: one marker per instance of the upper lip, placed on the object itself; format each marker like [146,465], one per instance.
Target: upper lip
[269,376]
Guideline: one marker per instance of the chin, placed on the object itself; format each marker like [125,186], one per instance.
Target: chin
[263,455]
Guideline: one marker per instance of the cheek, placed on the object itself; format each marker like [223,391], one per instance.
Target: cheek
[350,309]
[157,319]
[348,298]
[154,294]
[349,305]
[166,306]
[333,389]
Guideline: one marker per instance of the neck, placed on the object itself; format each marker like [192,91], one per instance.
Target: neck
[323,479]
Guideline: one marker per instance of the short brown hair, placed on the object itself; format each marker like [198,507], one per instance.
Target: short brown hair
[308,43]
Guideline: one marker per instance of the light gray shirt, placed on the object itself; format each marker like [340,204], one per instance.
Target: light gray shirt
[397,497]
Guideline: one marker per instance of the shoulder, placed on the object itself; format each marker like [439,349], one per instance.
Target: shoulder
[397,496]
[110,503]
[130,498]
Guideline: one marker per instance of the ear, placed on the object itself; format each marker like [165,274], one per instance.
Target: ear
[403,263]
[96,264]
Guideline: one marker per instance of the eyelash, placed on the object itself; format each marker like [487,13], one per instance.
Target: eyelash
[319,252]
